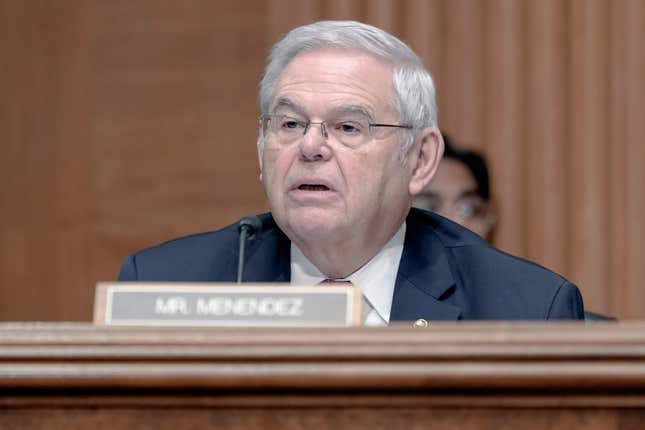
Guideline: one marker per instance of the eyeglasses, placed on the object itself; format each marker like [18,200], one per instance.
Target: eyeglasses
[351,132]
[467,209]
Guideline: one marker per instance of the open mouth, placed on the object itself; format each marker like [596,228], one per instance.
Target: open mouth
[313,187]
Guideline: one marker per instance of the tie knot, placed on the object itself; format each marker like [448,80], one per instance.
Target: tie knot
[334,281]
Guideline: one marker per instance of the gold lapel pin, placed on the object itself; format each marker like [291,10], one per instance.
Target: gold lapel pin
[420,323]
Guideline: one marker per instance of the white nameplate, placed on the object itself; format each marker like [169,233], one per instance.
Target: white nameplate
[211,304]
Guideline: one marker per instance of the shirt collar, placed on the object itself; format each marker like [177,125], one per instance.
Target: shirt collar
[376,277]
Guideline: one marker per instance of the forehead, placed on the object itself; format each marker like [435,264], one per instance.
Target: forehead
[324,79]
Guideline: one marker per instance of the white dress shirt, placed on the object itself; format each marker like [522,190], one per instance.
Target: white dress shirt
[376,278]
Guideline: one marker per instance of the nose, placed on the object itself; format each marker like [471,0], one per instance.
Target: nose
[313,146]
[323,128]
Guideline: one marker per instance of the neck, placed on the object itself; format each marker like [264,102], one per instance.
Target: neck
[337,261]
[340,258]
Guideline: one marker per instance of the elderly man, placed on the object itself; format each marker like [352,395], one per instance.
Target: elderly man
[348,135]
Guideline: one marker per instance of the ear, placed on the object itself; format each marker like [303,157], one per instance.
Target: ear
[427,153]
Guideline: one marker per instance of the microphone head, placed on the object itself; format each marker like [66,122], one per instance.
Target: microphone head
[250,224]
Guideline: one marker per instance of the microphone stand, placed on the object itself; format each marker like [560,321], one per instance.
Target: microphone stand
[248,226]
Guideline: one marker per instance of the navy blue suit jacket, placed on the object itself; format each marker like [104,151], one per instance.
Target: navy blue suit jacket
[446,271]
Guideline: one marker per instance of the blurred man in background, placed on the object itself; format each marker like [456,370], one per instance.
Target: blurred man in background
[460,190]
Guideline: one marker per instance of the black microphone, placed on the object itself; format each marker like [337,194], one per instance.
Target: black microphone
[248,227]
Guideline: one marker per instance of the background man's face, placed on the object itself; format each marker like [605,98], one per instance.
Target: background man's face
[453,194]
[319,188]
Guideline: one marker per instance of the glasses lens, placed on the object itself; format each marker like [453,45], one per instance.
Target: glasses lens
[283,127]
[469,209]
[349,131]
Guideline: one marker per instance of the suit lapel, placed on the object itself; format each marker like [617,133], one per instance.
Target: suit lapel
[424,279]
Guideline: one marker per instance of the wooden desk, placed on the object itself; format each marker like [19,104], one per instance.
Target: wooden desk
[446,376]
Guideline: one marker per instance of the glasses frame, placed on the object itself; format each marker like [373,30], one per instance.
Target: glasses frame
[323,124]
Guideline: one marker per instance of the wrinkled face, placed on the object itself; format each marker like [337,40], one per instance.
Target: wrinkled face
[323,185]
[453,194]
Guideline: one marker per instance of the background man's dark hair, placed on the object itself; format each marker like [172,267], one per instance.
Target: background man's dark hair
[474,162]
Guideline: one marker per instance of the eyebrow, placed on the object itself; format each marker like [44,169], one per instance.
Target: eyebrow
[430,193]
[287,103]
[283,102]
[353,109]
[469,193]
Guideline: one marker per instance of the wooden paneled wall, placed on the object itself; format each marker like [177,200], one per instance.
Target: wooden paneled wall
[124,123]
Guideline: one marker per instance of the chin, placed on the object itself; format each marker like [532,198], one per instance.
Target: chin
[315,224]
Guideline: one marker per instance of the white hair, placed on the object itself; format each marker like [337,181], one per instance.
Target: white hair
[413,86]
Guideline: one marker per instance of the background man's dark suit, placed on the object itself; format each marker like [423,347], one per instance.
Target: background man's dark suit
[446,272]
